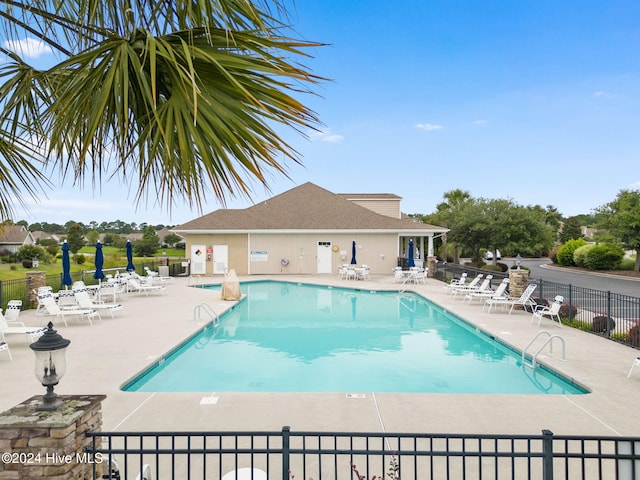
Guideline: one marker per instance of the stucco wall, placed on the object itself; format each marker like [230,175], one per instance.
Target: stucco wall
[262,253]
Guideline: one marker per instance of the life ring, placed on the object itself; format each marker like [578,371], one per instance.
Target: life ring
[284,262]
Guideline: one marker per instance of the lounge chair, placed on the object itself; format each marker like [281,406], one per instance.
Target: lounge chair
[456,282]
[67,299]
[135,286]
[51,308]
[85,301]
[551,311]
[487,294]
[19,328]
[4,347]
[471,285]
[482,287]
[12,312]
[525,300]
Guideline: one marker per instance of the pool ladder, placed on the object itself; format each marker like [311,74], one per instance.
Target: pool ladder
[548,341]
[206,308]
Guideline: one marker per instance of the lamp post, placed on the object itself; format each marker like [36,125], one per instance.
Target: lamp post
[518,261]
[51,364]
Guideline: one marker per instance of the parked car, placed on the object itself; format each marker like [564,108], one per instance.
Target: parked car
[489,255]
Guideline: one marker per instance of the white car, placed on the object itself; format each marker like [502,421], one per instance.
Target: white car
[489,255]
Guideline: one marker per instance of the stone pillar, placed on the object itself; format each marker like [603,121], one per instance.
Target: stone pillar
[518,281]
[431,265]
[35,280]
[51,445]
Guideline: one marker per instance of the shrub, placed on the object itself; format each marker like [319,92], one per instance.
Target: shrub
[599,324]
[627,263]
[27,252]
[604,256]
[568,311]
[580,253]
[80,259]
[553,255]
[13,267]
[634,336]
[500,267]
[565,253]
[27,263]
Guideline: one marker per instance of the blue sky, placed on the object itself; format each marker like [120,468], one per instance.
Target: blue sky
[537,101]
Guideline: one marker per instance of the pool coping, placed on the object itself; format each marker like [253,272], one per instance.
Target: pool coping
[100,357]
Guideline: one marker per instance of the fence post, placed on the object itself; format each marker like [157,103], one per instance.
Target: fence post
[608,313]
[286,432]
[1,294]
[547,455]
[570,302]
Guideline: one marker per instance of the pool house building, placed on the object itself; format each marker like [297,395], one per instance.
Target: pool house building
[308,230]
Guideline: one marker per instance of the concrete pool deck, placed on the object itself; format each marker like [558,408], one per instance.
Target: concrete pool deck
[104,356]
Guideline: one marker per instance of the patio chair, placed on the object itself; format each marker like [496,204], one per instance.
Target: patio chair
[636,363]
[67,299]
[551,311]
[487,294]
[12,312]
[51,308]
[482,287]
[85,301]
[524,300]
[456,282]
[471,285]
[4,347]
[19,328]
[135,286]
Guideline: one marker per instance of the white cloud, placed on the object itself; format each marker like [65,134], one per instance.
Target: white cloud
[480,122]
[601,94]
[327,136]
[428,126]
[28,47]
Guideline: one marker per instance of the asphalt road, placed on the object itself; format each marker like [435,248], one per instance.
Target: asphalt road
[541,268]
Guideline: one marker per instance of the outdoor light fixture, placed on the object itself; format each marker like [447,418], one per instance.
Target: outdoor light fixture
[518,261]
[51,364]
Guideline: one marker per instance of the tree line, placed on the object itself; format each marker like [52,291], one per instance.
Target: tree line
[480,224]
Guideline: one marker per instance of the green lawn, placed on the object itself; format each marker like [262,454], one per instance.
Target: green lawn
[113,258]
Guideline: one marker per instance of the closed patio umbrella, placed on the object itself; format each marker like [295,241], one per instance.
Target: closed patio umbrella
[353,253]
[410,262]
[99,262]
[66,265]
[130,266]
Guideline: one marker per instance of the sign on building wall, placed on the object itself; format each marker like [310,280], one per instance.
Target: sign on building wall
[258,256]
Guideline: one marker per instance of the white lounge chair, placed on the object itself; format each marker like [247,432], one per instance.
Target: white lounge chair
[19,328]
[456,282]
[472,284]
[486,294]
[552,311]
[85,301]
[135,286]
[12,312]
[51,308]
[524,300]
[4,347]
[481,287]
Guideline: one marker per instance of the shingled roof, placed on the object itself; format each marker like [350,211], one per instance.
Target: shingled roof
[306,207]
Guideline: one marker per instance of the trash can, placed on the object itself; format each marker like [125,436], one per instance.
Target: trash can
[163,270]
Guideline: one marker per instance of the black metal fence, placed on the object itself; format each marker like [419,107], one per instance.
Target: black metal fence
[18,289]
[364,456]
[604,313]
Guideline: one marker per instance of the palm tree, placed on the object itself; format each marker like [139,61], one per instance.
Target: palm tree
[176,98]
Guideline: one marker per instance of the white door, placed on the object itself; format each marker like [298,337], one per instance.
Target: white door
[324,257]
[220,259]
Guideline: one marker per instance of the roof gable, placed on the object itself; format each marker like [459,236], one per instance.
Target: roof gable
[306,207]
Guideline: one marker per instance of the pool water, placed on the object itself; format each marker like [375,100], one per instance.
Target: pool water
[287,337]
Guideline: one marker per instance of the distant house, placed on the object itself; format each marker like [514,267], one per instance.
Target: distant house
[40,235]
[306,230]
[587,232]
[12,237]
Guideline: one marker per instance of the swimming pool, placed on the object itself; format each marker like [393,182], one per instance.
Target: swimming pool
[287,337]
